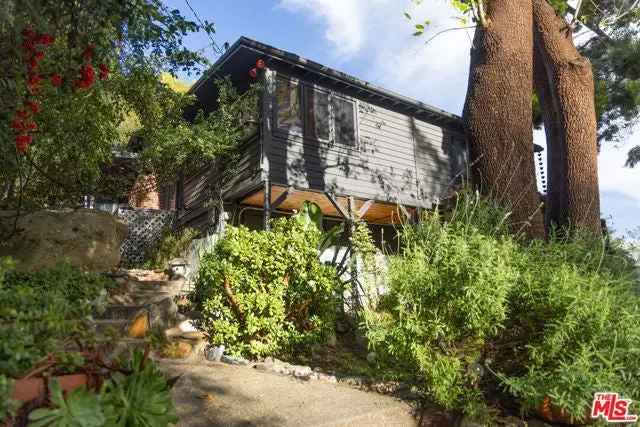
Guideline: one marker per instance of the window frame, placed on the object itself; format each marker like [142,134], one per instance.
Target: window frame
[303,131]
[356,139]
[276,106]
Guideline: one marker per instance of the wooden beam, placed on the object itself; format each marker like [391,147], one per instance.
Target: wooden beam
[364,208]
[282,197]
[336,205]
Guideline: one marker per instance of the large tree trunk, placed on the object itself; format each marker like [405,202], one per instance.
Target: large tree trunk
[498,112]
[572,143]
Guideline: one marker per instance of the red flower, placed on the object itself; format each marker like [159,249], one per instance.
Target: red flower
[253,73]
[34,106]
[56,80]
[22,114]
[32,65]
[104,71]
[260,64]
[22,143]
[31,126]
[38,55]
[17,125]
[88,52]
[34,81]
[45,39]
[28,45]
[87,77]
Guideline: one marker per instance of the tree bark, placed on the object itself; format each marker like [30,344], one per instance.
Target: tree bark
[498,112]
[573,151]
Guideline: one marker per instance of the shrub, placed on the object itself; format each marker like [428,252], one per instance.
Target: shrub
[43,312]
[576,322]
[266,292]
[447,296]
[173,244]
[474,314]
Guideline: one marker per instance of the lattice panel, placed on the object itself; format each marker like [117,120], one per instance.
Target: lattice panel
[145,230]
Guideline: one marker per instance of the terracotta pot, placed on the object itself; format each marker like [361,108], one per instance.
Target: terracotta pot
[553,414]
[72,381]
[28,389]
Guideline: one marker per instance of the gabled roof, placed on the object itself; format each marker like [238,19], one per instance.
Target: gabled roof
[241,56]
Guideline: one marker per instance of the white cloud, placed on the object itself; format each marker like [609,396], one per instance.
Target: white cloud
[344,20]
[376,33]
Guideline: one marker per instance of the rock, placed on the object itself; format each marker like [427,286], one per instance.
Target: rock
[139,326]
[187,326]
[233,360]
[193,336]
[261,366]
[162,315]
[214,354]
[327,378]
[302,372]
[88,239]
[372,357]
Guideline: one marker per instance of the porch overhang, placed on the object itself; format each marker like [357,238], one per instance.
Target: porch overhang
[289,199]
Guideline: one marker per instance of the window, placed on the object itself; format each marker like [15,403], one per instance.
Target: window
[344,118]
[288,104]
[318,120]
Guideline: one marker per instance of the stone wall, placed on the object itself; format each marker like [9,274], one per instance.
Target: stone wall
[146,227]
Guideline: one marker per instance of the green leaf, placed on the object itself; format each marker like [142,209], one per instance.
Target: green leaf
[406,15]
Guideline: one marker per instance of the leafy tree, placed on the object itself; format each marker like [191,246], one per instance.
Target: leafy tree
[85,77]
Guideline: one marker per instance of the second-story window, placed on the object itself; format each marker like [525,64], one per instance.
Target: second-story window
[344,112]
[318,119]
[288,104]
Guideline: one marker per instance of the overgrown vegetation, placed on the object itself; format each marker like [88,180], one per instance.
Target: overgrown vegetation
[266,292]
[140,398]
[475,315]
[45,313]
[173,244]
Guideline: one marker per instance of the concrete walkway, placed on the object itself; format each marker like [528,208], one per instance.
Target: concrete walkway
[216,394]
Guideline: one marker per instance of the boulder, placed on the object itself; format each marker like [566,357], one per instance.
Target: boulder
[88,239]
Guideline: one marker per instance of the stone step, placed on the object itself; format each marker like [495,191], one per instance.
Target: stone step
[116,325]
[119,312]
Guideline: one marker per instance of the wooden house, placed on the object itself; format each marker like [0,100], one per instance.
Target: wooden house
[327,137]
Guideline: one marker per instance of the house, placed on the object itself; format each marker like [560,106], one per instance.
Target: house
[326,137]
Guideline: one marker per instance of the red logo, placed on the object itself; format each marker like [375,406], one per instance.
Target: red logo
[612,408]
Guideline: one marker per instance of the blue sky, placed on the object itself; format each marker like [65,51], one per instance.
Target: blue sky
[372,40]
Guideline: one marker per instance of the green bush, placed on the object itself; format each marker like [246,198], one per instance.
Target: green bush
[44,312]
[447,296]
[576,321]
[266,292]
[473,314]
[173,244]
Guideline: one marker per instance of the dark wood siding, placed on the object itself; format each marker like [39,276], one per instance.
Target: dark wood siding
[397,158]
[196,194]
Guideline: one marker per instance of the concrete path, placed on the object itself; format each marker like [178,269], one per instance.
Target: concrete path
[216,394]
